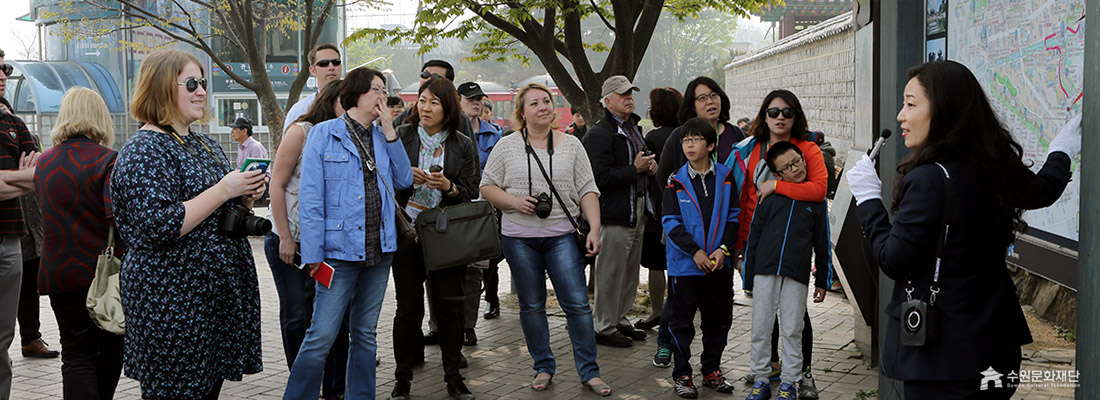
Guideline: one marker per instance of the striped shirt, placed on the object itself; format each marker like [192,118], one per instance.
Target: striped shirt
[15,141]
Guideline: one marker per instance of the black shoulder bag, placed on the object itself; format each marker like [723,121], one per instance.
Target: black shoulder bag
[919,323]
[580,226]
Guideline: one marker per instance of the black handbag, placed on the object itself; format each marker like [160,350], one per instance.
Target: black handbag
[458,234]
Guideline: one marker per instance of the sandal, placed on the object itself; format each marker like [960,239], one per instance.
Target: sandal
[541,384]
[601,389]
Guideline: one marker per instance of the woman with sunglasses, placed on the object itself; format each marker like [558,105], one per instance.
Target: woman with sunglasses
[189,288]
[958,205]
[434,141]
[703,98]
[351,166]
[780,119]
[293,284]
[540,245]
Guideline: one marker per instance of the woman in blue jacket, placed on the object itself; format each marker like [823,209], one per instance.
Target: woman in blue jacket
[350,167]
[965,171]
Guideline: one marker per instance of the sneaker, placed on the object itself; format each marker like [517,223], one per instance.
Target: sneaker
[786,392]
[807,389]
[686,388]
[615,339]
[458,390]
[401,390]
[772,376]
[716,381]
[632,333]
[663,358]
[760,391]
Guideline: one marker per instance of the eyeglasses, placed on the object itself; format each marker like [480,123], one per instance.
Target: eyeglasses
[379,90]
[324,63]
[8,69]
[692,140]
[774,112]
[193,84]
[709,96]
[426,75]
[797,163]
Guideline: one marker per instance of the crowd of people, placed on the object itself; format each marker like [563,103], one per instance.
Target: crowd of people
[697,200]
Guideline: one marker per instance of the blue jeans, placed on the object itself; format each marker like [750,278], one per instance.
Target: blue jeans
[296,292]
[357,289]
[531,260]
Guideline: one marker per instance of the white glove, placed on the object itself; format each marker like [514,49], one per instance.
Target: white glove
[1068,140]
[864,181]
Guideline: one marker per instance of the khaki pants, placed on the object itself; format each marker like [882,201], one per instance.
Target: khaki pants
[617,272]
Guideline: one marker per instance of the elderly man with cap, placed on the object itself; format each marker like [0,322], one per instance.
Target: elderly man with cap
[247,147]
[624,172]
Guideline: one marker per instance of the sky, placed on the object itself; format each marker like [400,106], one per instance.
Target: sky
[10,28]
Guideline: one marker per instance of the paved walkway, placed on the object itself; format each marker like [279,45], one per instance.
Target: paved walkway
[499,364]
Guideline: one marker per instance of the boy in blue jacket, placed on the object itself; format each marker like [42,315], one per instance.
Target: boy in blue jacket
[783,234]
[700,217]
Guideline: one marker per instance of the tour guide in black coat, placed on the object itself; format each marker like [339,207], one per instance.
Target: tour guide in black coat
[973,272]
[946,118]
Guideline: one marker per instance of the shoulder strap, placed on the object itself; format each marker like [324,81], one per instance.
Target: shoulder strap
[355,137]
[550,182]
[941,240]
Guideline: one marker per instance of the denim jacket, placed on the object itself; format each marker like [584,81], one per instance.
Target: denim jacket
[331,209]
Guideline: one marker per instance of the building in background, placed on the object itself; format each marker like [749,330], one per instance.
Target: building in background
[109,64]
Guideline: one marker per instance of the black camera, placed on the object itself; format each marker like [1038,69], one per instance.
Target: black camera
[542,205]
[240,221]
[918,323]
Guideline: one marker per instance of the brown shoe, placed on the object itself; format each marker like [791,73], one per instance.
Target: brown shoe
[39,349]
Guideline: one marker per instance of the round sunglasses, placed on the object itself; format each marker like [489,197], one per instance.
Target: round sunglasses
[774,112]
[8,69]
[192,84]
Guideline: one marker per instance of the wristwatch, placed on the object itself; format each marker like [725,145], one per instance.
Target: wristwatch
[453,190]
[725,250]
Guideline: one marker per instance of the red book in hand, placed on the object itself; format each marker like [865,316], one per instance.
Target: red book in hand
[323,274]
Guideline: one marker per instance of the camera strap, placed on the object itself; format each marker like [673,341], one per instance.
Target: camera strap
[530,151]
[941,242]
[550,182]
[222,168]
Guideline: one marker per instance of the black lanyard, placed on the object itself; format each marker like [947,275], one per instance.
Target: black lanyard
[217,163]
[531,150]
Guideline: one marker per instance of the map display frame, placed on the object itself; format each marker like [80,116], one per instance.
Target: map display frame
[1028,55]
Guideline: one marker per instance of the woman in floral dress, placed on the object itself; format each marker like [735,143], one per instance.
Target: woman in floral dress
[189,288]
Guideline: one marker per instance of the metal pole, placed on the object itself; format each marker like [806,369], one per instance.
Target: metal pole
[901,44]
[1088,276]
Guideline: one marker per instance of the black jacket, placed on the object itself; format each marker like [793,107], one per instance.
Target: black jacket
[784,233]
[460,164]
[981,324]
[612,161]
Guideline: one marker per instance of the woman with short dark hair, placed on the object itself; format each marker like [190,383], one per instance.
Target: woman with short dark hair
[350,167]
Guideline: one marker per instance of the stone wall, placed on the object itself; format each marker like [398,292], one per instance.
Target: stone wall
[818,65]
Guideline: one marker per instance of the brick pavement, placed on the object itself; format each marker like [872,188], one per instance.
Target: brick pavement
[499,364]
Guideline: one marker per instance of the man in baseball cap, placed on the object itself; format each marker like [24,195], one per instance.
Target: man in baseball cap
[618,84]
[624,175]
